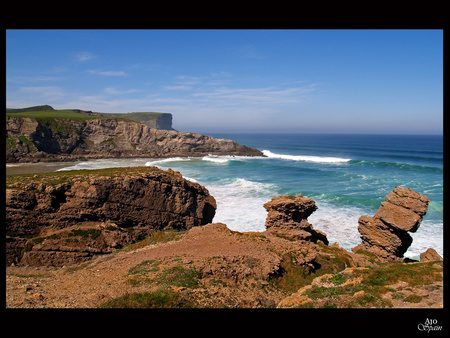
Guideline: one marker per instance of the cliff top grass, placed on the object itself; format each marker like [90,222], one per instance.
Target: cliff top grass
[46,111]
[47,115]
[18,181]
[69,114]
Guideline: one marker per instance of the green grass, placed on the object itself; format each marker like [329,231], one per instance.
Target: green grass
[161,298]
[177,276]
[58,177]
[54,114]
[93,233]
[33,108]
[375,283]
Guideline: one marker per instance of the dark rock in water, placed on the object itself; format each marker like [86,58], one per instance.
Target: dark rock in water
[385,234]
[96,212]
[287,216]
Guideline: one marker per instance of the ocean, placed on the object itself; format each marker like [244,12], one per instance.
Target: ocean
[347,175]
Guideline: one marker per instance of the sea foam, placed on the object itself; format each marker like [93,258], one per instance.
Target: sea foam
[318,159]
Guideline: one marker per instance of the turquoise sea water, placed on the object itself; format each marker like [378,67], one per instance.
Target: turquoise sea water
[347,175]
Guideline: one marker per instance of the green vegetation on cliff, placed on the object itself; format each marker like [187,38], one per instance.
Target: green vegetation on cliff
[45,113]
[46,116]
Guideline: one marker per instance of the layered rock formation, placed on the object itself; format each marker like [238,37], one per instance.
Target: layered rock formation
[386,233]
[59,139]
[287,216]
[71,217]
[152,120]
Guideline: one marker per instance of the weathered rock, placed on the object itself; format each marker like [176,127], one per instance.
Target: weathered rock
[398,217]
[385,241]
[134,202]
[430,255]
[409,199]
[66,140]
[385,234]
[287,216]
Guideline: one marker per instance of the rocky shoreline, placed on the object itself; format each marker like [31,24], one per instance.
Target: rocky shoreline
[31,140]
[143,237]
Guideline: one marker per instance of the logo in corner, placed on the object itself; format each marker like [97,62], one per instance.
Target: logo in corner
[429,325]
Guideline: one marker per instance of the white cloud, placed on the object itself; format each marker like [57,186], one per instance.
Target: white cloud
[251,52]
[115,91]
[269,95]
[31,79]
[44,91]
[180,87]
[189,80]
[108,72]
[84,56]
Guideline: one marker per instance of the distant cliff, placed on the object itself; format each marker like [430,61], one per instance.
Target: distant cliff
[65,135]
[152,120]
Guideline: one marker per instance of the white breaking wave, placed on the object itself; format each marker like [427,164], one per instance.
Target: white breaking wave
[105,163]
[317,159]
[166,160]
[240,203]
[227,158]
[216,159]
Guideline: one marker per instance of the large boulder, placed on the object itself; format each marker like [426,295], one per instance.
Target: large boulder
[430,256]
[386,233]
[71,217]
[287,217]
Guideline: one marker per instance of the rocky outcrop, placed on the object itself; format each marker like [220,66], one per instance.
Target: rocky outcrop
[58,139]
[430,256]
[386,233]
[70,218]
[207,266]
[287,216]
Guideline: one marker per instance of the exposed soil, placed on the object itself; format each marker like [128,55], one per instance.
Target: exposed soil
[212,266]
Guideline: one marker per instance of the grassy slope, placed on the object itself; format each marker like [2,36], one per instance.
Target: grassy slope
[54,114]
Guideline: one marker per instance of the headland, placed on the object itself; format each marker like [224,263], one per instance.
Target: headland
[44,134]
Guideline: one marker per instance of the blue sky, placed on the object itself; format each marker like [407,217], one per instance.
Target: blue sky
[308,81]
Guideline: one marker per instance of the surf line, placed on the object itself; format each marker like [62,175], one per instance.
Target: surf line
[305,158]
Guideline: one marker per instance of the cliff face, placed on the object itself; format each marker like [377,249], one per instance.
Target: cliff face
[72,217]
[152,120]
[56,139]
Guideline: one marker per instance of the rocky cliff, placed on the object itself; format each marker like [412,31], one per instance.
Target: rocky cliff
[65,218]
[63,139]
[286,266]
[152,120]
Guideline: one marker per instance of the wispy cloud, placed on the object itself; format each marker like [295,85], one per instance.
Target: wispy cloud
[84,56]
[107,72]
[268,95]
[31,79]
[178,87]
[251,52]
[46,92]
[116,91]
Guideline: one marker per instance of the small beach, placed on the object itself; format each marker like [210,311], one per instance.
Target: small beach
[35,168]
